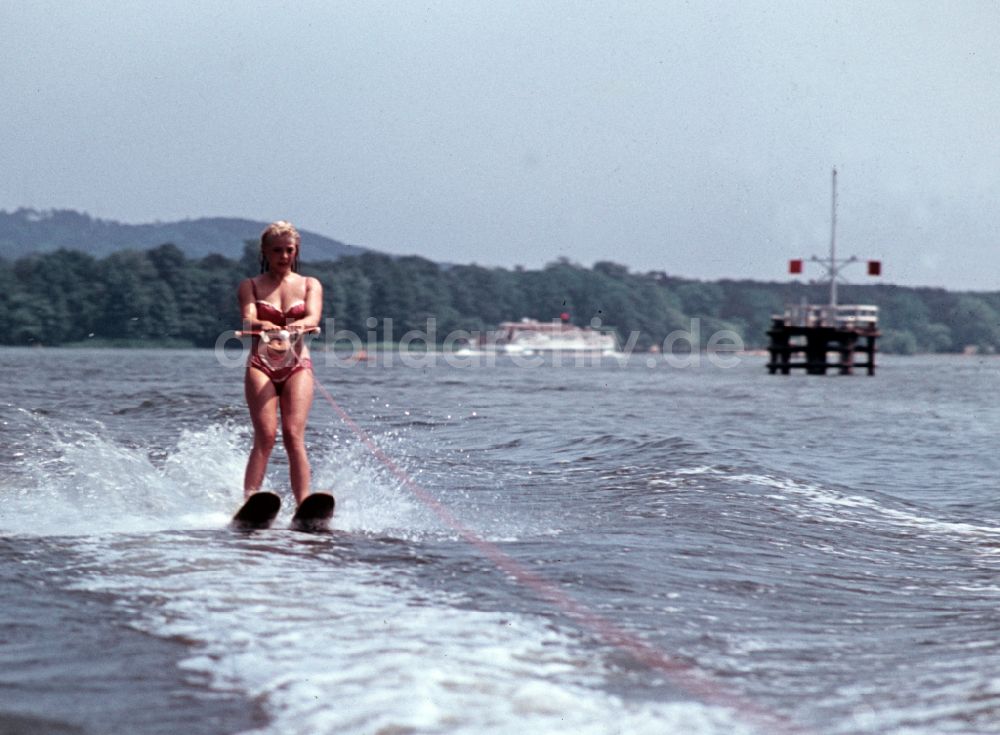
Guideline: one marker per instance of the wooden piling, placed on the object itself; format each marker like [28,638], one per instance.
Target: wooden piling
[805,337]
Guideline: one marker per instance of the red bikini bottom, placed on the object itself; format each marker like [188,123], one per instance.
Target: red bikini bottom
[278,374]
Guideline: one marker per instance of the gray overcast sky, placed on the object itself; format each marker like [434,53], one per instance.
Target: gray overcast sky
[696,138]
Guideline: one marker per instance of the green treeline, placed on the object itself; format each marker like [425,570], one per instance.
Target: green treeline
[160,296]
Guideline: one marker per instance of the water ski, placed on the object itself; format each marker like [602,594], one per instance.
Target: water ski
[314,513]
[257,512]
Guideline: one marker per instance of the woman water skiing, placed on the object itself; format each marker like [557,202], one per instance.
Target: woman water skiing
[280,306]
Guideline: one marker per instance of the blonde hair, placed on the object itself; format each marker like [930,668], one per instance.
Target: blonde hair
[280,229]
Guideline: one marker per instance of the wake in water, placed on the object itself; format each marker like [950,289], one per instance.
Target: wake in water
[70,479]
[334,639]
[326,634]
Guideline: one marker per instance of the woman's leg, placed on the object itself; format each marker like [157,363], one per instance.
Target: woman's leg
[296,400]
[262,400]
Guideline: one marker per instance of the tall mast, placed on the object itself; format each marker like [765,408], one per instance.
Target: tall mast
[833,244]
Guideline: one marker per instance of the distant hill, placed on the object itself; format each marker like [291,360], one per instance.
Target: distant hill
[27,231]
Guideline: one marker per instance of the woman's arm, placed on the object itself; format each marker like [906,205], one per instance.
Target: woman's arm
[314,306]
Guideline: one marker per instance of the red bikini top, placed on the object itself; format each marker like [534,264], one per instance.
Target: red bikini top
[270,312]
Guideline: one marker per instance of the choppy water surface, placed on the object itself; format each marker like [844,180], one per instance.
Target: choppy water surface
[594,549]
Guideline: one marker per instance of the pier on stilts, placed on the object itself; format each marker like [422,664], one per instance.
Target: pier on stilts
[807,335]
[820,338]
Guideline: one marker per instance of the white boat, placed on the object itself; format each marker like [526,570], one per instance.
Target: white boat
[530,337]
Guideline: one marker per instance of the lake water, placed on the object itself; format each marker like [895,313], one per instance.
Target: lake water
[598,549]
